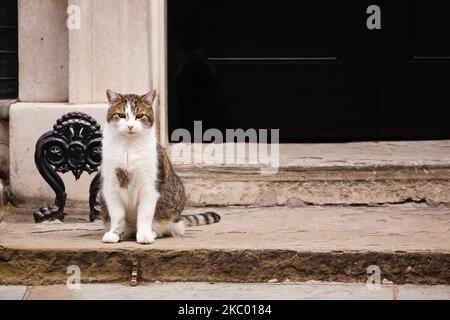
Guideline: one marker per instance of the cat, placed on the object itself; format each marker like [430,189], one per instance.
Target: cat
[142,197]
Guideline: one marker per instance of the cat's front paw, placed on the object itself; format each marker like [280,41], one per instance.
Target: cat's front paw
[145,237]
[111,237]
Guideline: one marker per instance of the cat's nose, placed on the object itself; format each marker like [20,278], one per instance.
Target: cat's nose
[130,128]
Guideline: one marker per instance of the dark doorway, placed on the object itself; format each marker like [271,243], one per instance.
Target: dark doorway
[310,68]
[414,70]
[8,50]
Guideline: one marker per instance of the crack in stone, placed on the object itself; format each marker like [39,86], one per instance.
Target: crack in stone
[50,231]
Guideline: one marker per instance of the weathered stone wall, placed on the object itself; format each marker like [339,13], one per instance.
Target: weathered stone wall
[43,51]
[110,50]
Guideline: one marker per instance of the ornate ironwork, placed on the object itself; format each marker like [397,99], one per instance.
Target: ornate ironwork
[74,145]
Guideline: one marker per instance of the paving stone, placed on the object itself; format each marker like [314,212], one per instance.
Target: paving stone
[227,291]
[409,243]
[12,292]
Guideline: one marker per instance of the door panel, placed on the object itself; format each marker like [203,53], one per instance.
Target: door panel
[311,68]
[430,29]
[414,70]
[300,66]
[256,29]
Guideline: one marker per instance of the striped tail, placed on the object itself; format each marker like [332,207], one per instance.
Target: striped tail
[200,219]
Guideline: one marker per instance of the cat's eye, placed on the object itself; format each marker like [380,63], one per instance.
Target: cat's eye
[121,115]
[139,116]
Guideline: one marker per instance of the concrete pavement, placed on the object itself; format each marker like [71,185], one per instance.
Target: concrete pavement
[226,291]
[409,243]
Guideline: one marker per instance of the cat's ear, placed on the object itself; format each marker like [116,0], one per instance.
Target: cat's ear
[149,98]
[113,97]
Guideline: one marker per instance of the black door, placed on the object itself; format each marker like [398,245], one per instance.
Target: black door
[8,49]
[414,69]
[310,68]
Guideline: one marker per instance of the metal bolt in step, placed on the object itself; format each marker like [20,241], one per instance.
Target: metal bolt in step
[134,274]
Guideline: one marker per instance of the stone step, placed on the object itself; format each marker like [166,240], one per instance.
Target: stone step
[299,187]
[407,244]
[309,174]
[327,174]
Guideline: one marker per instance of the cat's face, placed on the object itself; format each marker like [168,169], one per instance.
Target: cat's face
[129,113]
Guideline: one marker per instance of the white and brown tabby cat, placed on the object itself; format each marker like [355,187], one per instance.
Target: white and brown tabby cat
[142,196]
